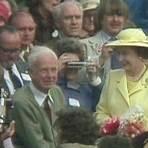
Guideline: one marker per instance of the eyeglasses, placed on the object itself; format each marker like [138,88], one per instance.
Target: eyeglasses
[9,49]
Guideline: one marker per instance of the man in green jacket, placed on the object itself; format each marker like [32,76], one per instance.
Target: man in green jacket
[34,122]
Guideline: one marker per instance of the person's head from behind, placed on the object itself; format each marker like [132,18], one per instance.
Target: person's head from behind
[26,25]
[68,18]
[141,141]
[115,141]
[43,68]
[72,49]
[10,43]
[112,16]
[76,125]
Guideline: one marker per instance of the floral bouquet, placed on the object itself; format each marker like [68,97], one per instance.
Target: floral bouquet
[130,124]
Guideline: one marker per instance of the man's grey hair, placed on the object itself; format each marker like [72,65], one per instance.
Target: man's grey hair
[37,52]
[58,10]
[18,14]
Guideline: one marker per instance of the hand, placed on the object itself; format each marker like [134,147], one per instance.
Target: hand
[65,58]
[93,73]
[106,53]
[92,68]
[8,132]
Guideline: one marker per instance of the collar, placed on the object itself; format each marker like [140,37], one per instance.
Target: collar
[24,51]
[39,96]
[105,35]
[76,87]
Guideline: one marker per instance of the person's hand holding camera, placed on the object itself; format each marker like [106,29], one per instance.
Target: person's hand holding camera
[65,58]
[93,69]
[106,53]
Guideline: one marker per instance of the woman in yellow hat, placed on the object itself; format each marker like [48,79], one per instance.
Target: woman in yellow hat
[128,87]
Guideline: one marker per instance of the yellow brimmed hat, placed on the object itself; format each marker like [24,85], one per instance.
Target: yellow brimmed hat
[130,37]
[89,4]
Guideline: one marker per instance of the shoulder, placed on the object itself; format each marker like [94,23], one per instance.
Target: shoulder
[76,145]
[22,94]
[58,97]
[57,93]
[56,89]
[117,73]
[92,39]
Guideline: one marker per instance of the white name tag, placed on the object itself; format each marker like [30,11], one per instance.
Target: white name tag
[25,76]
[8,143]
[74,102]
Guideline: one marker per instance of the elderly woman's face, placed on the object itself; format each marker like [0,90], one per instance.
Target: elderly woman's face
[128,57]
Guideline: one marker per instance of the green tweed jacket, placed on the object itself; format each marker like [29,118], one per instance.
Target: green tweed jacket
[33,128]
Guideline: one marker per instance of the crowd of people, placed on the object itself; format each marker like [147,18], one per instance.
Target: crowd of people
[72,72]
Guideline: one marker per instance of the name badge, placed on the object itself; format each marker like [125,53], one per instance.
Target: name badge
[25,76]
[74,102]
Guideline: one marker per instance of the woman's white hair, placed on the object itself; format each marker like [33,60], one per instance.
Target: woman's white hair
[38,51]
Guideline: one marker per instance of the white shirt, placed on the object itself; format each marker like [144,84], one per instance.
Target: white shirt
[40,96]
[8,80]
[8,143]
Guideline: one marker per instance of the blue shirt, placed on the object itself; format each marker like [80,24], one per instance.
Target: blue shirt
[82,96]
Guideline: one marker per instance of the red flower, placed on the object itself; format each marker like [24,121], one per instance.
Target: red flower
[134,129]
[110,127]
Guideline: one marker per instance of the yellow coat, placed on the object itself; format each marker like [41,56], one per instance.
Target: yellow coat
[115,99]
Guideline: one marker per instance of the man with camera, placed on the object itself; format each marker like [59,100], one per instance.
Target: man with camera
[71,61]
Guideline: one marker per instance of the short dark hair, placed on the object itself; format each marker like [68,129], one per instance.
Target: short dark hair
[70,45]
[114,141]
[140,140]
[77,126]
[109,7]
[7,28]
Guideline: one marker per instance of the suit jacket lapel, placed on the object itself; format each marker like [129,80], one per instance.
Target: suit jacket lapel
[122,87]
[53,106]
[137,88]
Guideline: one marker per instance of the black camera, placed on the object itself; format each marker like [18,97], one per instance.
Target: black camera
[76,64]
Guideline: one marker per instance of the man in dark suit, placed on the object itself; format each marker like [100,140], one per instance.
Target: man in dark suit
[10,44]
[35,104]
[26,25]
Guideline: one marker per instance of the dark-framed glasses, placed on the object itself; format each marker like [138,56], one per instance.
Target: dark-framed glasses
[9,49]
